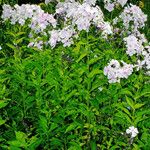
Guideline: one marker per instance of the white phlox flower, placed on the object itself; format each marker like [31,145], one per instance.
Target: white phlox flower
[19,14]
[82,15]
[111,4]
[114,71]
[107,29]
[132,131]
[132,17]
[64,36]
[134,45]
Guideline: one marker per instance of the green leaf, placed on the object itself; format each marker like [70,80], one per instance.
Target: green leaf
[93,145]
[20,33]
[136,106]
[144,112]
[56,142]
[53,126]
[11,46]
[15,144]
[34,143]
[139,119]
[124,116]
[11,33]
[20,136]
[19,40]
[94,60]
[82,56]
[74,146]
[72,126]
[125,92]
[43,124]
[3,103]
[2,121]
[145,94]
[94,72]
[70,95]
[130,102]
[124,109]
[12,147]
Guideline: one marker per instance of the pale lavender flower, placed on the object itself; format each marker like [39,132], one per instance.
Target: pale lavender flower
[110,6]
[31,44]
[134,45]
[107,30]
[114,71]
[122,2]
[90,2]
[81,15]
[132,16]
[54,38]
[64,36]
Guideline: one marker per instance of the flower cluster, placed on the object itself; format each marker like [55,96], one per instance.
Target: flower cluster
[133,17]
[41,21]
[19,14]
[90,2]
[132,131]
[138,45]
[114,71]
[134,46]
[82,15]
[146,59]
[65,36]
[110,5]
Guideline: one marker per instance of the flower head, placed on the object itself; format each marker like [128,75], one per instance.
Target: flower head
[133,131]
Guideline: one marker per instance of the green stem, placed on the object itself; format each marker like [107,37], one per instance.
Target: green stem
[88,92]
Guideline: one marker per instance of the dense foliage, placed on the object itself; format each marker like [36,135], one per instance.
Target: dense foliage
[72,82]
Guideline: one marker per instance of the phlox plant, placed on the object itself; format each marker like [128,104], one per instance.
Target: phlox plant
[74,76]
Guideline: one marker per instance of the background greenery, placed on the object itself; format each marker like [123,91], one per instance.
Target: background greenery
[59,99]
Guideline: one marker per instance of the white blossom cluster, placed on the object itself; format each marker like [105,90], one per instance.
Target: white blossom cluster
[132,131]
[65,36]
[90,2]
[110,5]
[145,62]
[134,45]
[41,21]
[138,44]
[132,16]
[19,14]
[82,15]
[114,71]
